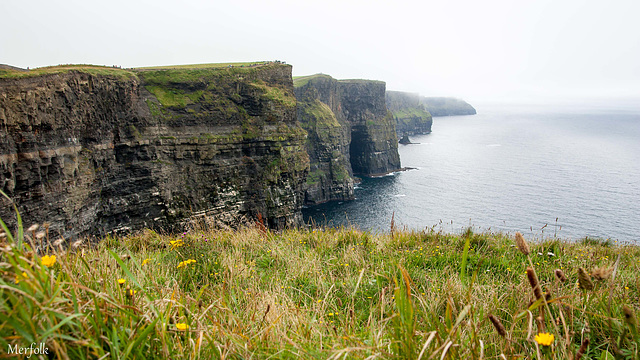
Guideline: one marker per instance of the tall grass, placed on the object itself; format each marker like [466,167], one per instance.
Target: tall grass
[334,293]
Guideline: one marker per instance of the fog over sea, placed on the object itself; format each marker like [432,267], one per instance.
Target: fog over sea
[512,168]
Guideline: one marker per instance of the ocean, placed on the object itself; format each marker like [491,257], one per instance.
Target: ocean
[567,170]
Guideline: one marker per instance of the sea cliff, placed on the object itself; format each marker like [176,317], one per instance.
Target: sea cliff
[410,114]
[95,150]
[350,132]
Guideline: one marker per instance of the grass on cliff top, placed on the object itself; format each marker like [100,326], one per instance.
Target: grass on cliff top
[408,113]
[299,81]
[335,293]
[205,66]
[62,69]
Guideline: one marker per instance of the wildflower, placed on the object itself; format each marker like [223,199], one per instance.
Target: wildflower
[48,261]
[522,244]
[176,243]
[182,326]
[544,339]
[24,276]
[121,281]
[145,262]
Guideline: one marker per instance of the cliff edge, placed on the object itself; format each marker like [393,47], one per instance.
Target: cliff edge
[94,150]
[351,132]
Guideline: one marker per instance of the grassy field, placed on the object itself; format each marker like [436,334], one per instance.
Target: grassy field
[335,293]
[61,69]
[205,66]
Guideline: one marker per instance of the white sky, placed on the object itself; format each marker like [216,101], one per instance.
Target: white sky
[489,49]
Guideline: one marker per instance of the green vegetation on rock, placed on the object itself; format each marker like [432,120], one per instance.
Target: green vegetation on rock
[6,73]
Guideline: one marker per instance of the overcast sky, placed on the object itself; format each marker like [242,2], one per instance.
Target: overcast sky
[490,49]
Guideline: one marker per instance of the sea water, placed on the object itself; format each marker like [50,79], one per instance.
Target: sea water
[566,170]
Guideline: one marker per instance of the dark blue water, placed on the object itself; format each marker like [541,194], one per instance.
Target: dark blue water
[512,168]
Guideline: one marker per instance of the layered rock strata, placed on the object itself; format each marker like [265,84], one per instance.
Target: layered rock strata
[350,131]
[98,150]
[409,112]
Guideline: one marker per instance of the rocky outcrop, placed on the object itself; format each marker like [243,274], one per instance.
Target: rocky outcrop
[409,112]
[95,150]
[447,106]
[350,131]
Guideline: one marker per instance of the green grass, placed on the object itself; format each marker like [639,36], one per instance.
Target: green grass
[304,80]
[204,66]
[335,293]
[62,69]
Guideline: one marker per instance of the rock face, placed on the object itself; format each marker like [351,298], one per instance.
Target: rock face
[409,112]
[447,106]
[350,132]
[93,151]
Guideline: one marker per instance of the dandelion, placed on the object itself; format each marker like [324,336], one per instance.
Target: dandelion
[145,262]
[121,281]
[182,326]
[544,339]
[24,276]
[522,244]
[48,261]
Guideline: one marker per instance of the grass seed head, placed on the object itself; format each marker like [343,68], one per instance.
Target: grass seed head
[533,281]
[583,349]
[630,316]
[498,325]
[584,280]
[601,273]
[560,275]
[522,244]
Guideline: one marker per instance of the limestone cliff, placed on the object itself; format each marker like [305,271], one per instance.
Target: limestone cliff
[447,106]
[94,150]
[410,114]
[350,132]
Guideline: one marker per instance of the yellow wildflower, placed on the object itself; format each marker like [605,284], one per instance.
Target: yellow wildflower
[121,281]
[145,261]
[24,275]
[182,326]
[544,339]
[48,260]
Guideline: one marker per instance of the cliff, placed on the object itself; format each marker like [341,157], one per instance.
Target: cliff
[350,132]
[446,106]
[409,112]
[94,150]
